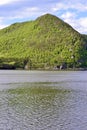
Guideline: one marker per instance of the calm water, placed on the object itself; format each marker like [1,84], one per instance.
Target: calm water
[42,100]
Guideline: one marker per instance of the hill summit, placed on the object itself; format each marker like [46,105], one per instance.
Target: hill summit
[46,42]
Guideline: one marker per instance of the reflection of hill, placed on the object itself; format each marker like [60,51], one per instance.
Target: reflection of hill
[36,106]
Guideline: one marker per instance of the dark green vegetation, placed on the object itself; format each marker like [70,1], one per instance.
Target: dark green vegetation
[44,43]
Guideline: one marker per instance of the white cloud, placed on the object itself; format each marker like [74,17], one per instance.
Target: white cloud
[2,26]
[2,2]
[74,18]
[83,22]
[59,6]
[63,6]
[1,23]
[68,15]
[30,13]
[80,7]
[25,13]
[80,24]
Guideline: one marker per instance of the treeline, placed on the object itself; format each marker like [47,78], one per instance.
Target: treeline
[29,64]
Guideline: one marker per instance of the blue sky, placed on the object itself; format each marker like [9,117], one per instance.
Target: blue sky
[73,12]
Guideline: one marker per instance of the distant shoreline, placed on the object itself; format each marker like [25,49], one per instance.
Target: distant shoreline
[42,69]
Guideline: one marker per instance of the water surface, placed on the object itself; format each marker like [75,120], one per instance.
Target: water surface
[43,100]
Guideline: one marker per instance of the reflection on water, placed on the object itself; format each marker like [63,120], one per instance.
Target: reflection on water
[33,108]
[37,106]
[43,107]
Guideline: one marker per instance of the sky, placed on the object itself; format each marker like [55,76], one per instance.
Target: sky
[74,12]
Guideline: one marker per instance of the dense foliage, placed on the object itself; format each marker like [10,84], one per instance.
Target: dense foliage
[44,43]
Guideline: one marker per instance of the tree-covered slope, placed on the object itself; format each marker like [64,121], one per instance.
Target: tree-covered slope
[44,43]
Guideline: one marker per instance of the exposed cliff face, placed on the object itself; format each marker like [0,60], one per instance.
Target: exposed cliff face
[44,43]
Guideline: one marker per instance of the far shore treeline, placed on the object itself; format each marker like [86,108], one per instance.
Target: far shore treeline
[46,43]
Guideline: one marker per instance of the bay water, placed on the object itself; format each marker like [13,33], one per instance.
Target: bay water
[43,100]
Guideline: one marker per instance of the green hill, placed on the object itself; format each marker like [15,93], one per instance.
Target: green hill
[44,43]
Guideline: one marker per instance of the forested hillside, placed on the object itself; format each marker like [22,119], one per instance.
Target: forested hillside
[45,43]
